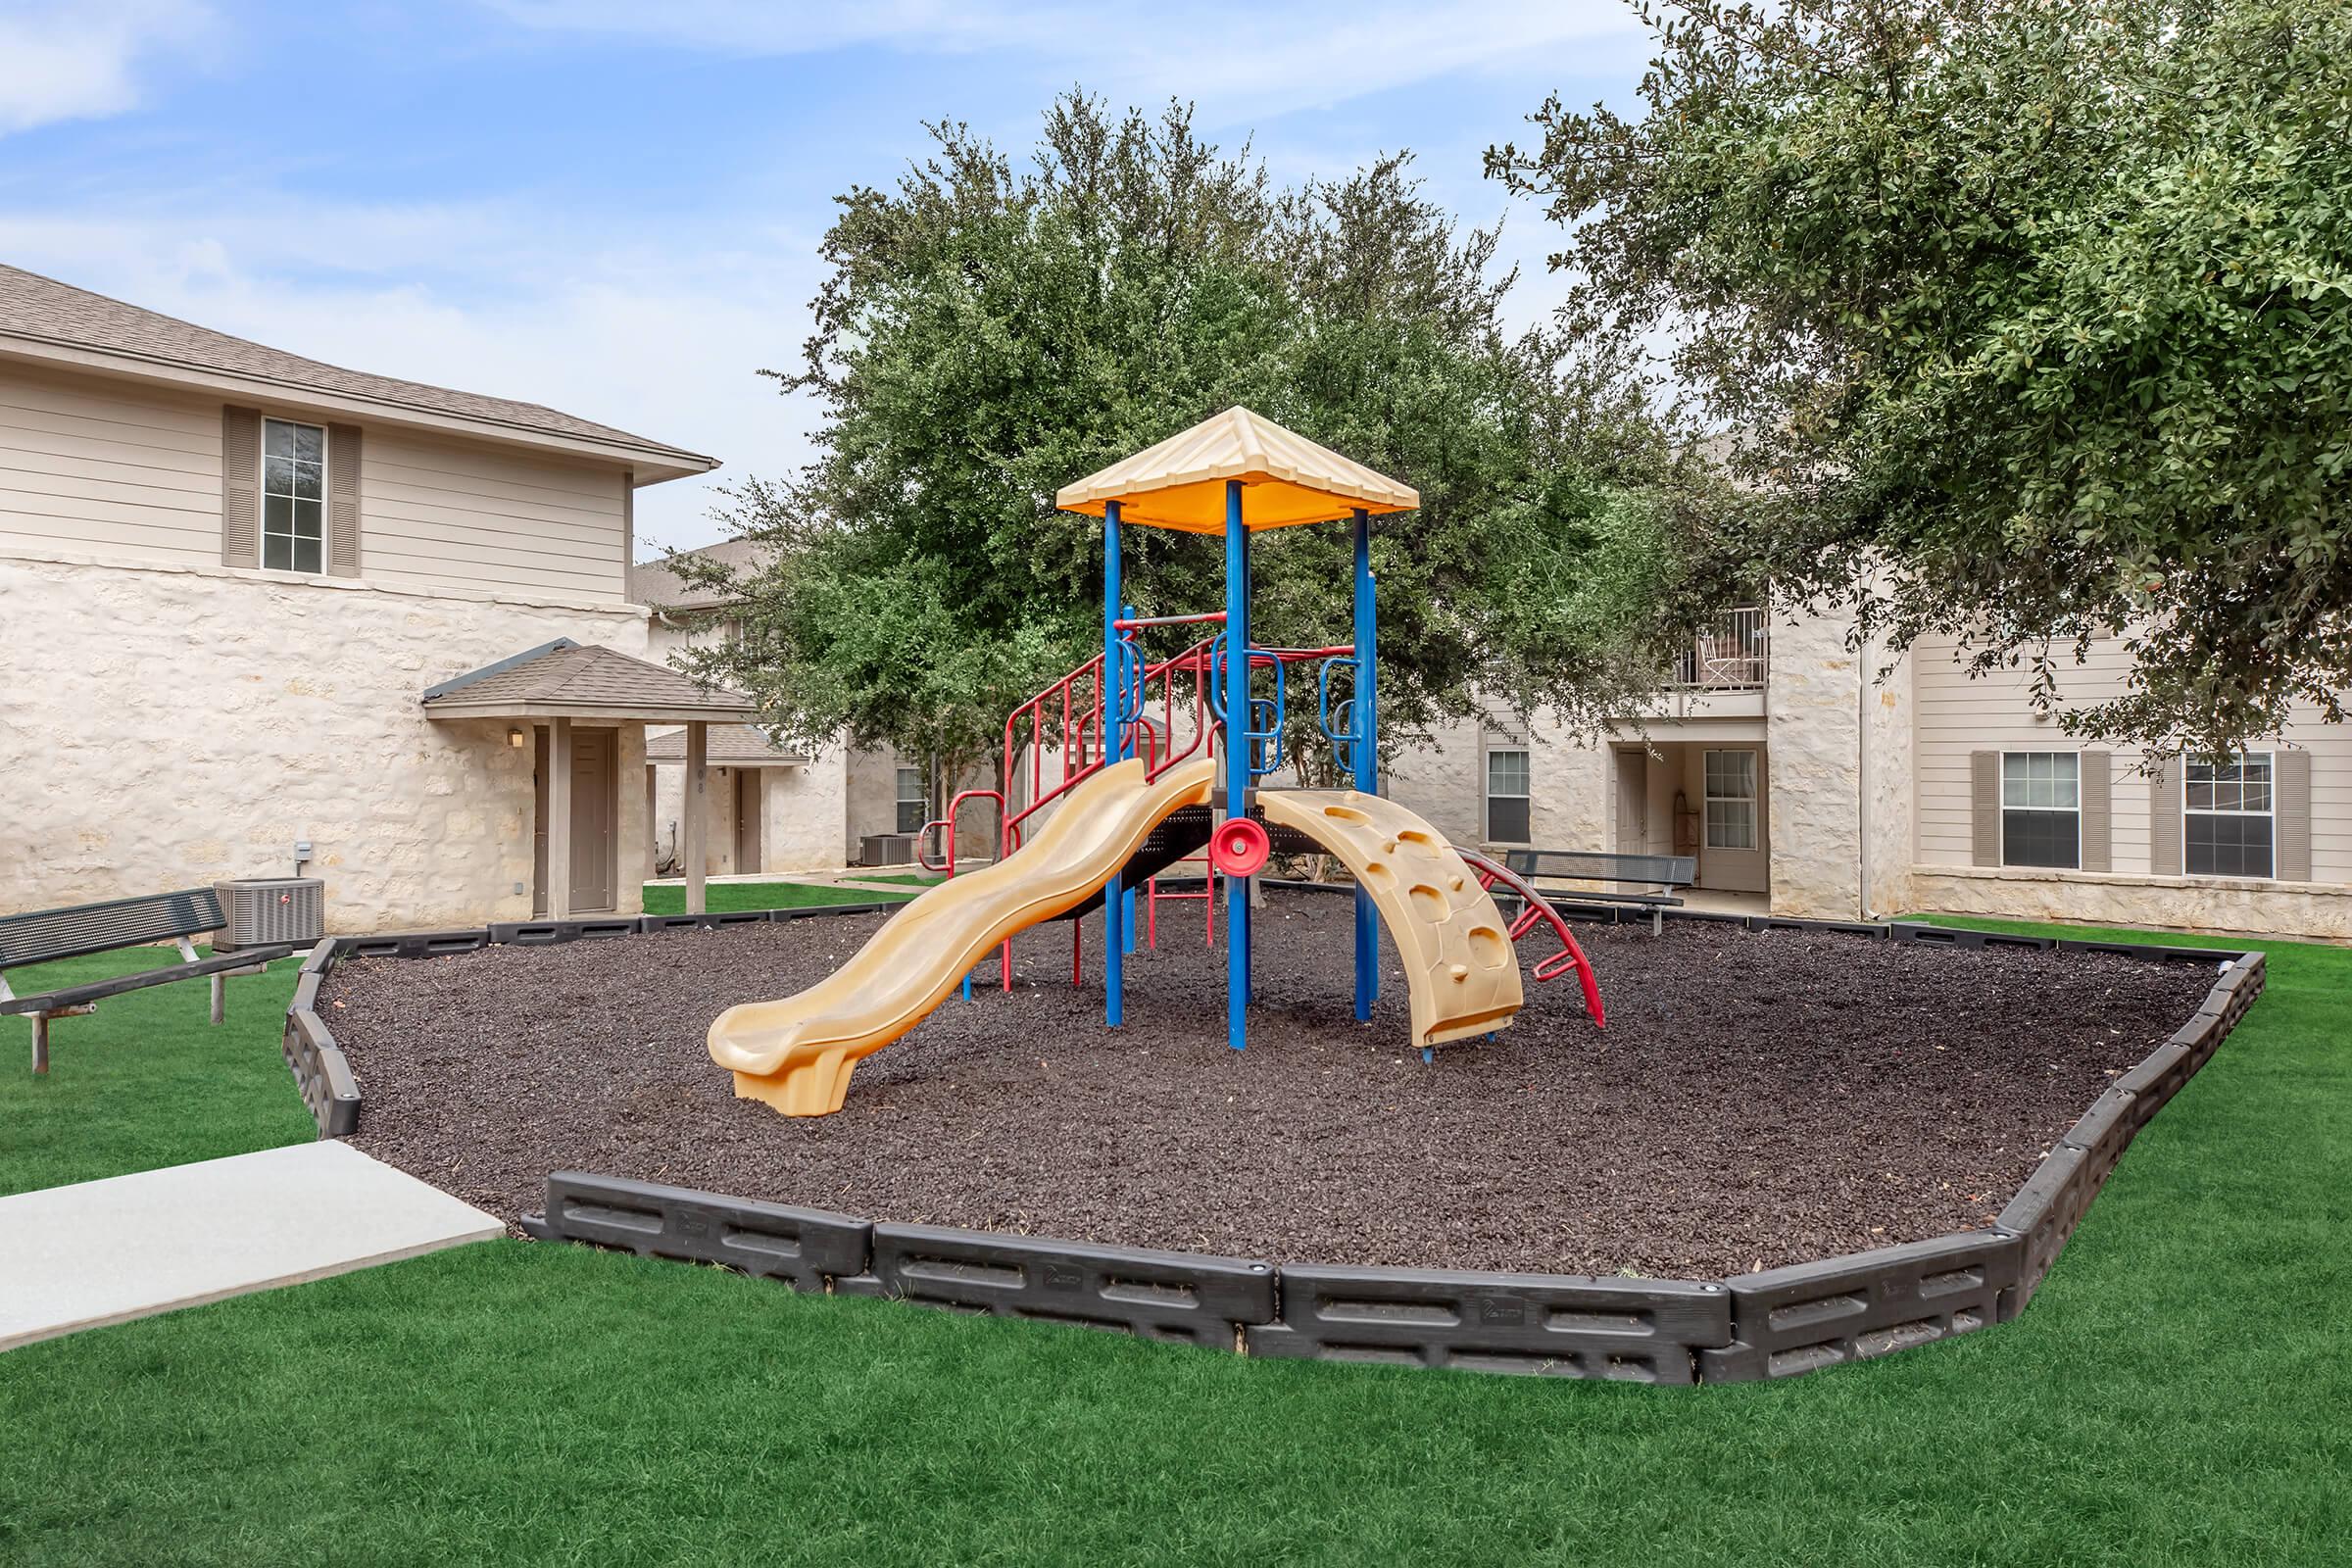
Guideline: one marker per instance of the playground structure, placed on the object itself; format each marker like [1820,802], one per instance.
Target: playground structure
[1128,801]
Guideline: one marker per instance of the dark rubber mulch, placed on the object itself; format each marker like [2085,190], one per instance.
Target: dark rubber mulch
[1756,1099]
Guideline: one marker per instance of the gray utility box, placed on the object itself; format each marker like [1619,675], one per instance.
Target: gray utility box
[886,849]
[262,910]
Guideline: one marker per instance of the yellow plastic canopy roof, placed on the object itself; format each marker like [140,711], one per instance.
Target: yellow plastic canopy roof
[1288,479]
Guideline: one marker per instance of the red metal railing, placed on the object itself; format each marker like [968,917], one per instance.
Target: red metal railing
[1538,909]
[1072,711]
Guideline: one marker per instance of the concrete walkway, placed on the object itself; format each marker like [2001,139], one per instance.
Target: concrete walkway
[106,1251]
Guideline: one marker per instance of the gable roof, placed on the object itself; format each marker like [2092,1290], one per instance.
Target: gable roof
[652,582]
[727,746]
[564,679]
[1180,483]
[37,311]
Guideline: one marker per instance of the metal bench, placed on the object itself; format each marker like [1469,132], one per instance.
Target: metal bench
[1646,881]
[48,935]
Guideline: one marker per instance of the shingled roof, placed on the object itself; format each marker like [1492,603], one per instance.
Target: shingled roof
[730,746]
[564,679]
[43,310]
[652,582]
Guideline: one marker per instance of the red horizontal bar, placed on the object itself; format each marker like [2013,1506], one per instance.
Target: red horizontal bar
[1205,616]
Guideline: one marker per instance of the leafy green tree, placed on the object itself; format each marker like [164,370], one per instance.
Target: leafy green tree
[985,337]
[2040,311]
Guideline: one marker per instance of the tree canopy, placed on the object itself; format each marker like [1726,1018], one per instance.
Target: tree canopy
[986,336]
[2040,312]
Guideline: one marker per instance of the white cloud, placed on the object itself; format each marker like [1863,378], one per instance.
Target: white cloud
[666,344]
[1233,58]
[82,59]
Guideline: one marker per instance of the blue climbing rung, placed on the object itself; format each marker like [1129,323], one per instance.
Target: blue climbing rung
[1339,729]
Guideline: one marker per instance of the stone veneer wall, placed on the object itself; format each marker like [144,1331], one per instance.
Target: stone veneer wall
[805,808]
[2189,904]
[166,726]
[1813,729]
[1889,786]
[1444,780]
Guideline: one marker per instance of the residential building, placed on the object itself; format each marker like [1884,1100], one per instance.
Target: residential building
[773,808]
[1805,782]
[263,611]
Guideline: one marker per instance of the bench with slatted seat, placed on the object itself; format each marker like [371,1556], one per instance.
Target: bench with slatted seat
[1648,881]
[48,935]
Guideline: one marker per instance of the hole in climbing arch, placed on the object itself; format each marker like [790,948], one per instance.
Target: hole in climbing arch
[1421,839]
[1346,813]
[1489,947]
[1429,904]
[1377,875]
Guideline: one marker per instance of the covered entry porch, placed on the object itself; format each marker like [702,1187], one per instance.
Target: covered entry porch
[1708,796]
[582,712]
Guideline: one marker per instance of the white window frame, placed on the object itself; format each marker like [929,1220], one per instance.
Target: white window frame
[1753,799]
[263,535]
[1526,773]
[2074,810]
[2270,762]
[921,797]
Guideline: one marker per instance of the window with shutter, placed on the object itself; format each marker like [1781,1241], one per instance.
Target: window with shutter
[2229,824]
[2041,809]
[293,496]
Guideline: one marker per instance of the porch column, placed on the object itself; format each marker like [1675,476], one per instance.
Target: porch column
[559,819]
[697,811]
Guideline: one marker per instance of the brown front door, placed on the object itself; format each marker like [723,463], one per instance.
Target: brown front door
[595,819]
[747,819]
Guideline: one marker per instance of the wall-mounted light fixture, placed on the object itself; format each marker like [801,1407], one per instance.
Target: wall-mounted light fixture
[515,736]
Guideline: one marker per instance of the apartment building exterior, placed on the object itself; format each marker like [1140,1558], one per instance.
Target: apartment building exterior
[263,610]
[773,809]
[1809,778]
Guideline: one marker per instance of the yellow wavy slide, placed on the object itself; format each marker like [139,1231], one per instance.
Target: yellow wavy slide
[796,1053]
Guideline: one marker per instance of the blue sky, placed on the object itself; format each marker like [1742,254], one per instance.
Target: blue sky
[614,208]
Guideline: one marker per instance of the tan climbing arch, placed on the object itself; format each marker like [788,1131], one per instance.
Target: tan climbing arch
[1458,961]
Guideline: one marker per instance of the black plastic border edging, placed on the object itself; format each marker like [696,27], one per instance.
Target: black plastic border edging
[1773,1324]
[1559,1325]
[803,1246]
[320,1070]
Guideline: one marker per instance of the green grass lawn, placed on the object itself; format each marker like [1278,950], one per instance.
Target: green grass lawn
[146,1080]
[2174,1395]
[723,896]
[903,879]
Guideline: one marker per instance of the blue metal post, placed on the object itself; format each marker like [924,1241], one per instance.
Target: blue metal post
[1237,761]
[1367,759]
[1127,919]
[1113,688]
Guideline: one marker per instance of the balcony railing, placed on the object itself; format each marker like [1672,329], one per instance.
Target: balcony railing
[1729,655]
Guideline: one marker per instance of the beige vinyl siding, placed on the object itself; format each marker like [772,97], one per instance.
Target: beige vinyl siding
[1956,716]
[90,468]
[95,468]
[452,515]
